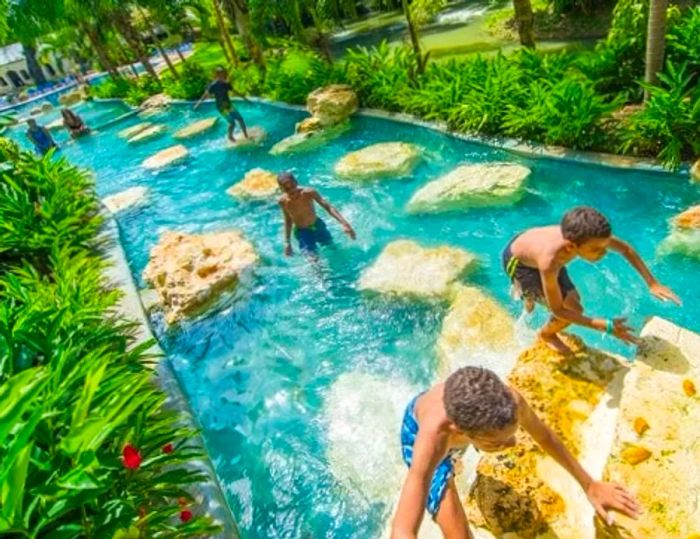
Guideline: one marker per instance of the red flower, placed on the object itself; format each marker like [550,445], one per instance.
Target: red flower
[168,448]
[185,515]
[131,458]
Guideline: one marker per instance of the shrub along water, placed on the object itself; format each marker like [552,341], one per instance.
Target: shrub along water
[87,448]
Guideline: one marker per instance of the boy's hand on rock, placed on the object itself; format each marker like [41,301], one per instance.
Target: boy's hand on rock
[605,496]
[624,332]
[664,293]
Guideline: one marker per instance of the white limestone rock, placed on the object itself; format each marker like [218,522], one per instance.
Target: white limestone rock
[404,268]
[378,160]
[196,128]
[309,140]
[134,196]
[256,136]
[484,184]
[133,130]
[168,156]
[332,104]
[257,183]
[149,133]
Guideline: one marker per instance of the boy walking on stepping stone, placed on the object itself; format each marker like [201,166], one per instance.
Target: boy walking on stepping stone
[536,263]
[298,207]
[474,408]
[220,89]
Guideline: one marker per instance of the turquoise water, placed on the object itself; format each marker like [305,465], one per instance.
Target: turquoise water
[257,373]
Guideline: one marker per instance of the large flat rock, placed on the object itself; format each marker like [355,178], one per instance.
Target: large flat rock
[309,140]
[523,491]
[168,156]
[133,130]
[405,268]
[149,133]
[256,136]
[257,183]
[379,160]
[475,325]
[190,271]
[688,219]
[196,128]
[660,418]
[484,184]
[134,196]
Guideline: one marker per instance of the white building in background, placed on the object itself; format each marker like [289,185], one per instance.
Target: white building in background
[14,75]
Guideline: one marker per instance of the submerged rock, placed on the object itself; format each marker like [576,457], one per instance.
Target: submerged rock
[256,135]
[168,156]
[662,469]
[682,242]
[383,159]
[474,323]
[257,183]
[689,219]
[149,133]
[471,185]
[126,199]
[195,128]
[363,414]
[310,140]
[406,268]
[133,130]
[523,491]
[190,271]
[332,104]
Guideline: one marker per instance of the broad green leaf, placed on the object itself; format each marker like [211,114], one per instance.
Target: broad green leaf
[16,396]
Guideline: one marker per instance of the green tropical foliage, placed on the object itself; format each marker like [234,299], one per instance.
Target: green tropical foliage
[87,446]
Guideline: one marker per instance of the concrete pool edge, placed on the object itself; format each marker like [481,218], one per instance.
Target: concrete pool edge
[210,495]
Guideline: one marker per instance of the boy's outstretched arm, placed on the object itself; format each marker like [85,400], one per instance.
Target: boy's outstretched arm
[632,256]
[603,496]
[287,231]
[334,213]
[552,292]
[204,96]
[428,451]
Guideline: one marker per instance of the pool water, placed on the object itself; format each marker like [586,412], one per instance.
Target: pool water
[257,373]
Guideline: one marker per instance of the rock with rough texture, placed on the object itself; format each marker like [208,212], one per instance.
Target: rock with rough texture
[363,414]
[256,136]
[134,196]
[195,128]
[695,171]
[332,104]
[681,242]
[383,159]
[190,271]
[689,219]
[158,101]
[168,156]
[466,186]
[660,465]
[71,98]
[475,324]
[404,268]
[308,125]
[46,107]
[257,183]
[133,130]
[309,140]
[523,491]
[149,133]
[35,111]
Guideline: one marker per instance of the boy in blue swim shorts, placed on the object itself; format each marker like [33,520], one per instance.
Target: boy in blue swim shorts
[299,211]
[220,89]
[473,407]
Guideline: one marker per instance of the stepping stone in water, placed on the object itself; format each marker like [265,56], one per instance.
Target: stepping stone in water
[148,134]
[55,125]
[196,128]
[134,196]
[468,186]
[384,159]
[133,130]
[405,268]
[257,183]
[310,140]
[168,156]
[256,135]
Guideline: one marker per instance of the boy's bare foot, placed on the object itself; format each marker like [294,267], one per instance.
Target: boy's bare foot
[555,343]
[232,140]
[529,305]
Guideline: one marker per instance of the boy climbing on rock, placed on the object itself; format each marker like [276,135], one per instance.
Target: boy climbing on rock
[536,263]
[220,89]
[473,407]
[297,204]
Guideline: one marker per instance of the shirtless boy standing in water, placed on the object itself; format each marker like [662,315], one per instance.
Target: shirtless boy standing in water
[536,263]
[297,205]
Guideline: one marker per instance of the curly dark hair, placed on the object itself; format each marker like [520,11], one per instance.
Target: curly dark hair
[477,401]
[584,223]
